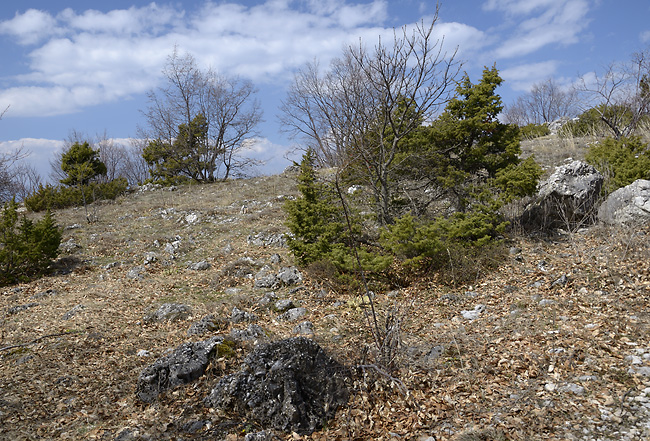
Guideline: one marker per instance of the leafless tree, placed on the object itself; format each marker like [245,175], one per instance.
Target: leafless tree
[359,111]
[135,168]
[620,95]
[17,178]
[547,101]
[227,104]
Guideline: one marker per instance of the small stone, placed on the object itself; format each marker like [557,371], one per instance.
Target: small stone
[473,314]
[199,266]
[292,315]
[304,328]
[19,308]
[252,332]
[633,359]
[136,273]
[169,312]
[573,388]
[239,316]
[68,315]
[284,305]
[47,293]
[143,353]
[563,280]
[150,258]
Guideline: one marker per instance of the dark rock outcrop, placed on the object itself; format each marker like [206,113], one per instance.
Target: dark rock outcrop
[185,364]
[289,385]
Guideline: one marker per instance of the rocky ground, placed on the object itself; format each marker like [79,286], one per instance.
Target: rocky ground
[554,344]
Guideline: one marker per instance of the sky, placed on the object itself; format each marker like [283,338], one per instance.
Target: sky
[86,66]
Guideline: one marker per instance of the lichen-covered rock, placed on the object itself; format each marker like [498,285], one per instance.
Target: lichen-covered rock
[185,364]
[289,385]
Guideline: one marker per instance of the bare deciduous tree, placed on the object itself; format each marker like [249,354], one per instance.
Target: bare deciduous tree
[17,178]
[228,105]
[620,95]
[360,110]
[547,101]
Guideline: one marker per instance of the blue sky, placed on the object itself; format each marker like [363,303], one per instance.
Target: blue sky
[87,65]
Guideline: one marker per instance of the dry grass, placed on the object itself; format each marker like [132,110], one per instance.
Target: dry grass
[487,379]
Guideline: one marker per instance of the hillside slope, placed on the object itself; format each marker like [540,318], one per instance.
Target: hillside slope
[558,347]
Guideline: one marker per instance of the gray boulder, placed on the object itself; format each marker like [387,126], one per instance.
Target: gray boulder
[289,276]
[136,273]
[292,314]
[289,385]
[566,199]
[185,364]
[627,205]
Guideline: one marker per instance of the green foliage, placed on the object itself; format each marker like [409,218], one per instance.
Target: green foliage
[623,161]
[319,231]
[520,180]
[51,197]
[469,131]
[466,155]
[314,219]
[456,242]
[81,163]
[26,248]
[172,163]
[602,120]
[532,131]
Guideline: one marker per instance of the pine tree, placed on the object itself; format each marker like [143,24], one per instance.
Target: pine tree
[314,218]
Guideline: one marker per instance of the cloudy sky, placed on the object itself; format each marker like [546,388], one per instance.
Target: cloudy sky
[87,65]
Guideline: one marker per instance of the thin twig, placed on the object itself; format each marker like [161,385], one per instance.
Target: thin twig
[59,334]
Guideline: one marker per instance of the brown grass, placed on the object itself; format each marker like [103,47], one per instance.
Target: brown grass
[75,378]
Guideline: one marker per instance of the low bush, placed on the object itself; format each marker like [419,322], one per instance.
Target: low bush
[622,161]
[532,131]
[49,197]
[27,248]
[453,244]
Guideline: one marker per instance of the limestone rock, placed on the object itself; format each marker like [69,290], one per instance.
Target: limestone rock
[566,198]
[627,205]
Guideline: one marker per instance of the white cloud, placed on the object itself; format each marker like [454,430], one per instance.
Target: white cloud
[40,152]
[516,7]
[87,58]
[540,23]
[522,77]
[645,37]
[29,27]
